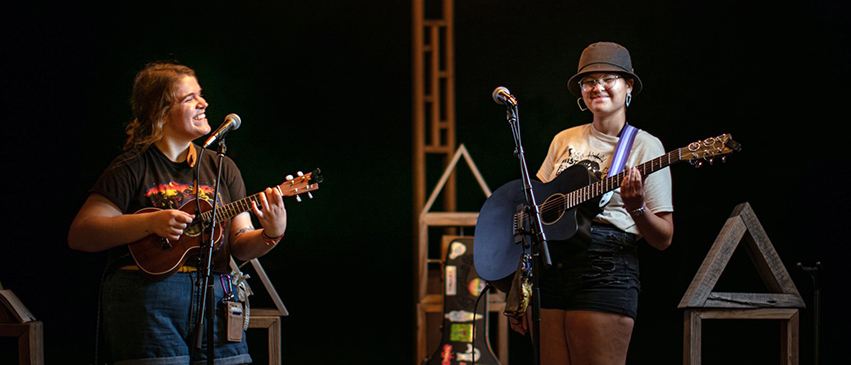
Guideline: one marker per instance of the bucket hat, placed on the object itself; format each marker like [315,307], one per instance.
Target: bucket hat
[604,57]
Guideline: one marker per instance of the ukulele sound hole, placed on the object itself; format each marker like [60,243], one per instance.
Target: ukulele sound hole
[193,230]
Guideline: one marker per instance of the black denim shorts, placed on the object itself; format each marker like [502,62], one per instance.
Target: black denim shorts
[600,276]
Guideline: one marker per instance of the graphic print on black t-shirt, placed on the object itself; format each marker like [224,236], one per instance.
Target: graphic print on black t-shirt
[173,195]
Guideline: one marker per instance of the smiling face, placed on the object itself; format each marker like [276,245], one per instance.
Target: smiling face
[187,119]
[605,93]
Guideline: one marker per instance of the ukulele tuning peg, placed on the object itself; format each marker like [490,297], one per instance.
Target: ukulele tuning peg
[724,159]
[289,177]
[300,173]
[298,198]
[309,195]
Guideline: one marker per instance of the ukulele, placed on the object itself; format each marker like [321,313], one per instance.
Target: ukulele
[159,258]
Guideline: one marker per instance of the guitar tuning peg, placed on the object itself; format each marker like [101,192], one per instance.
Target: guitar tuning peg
[711,161]
[724,159]
[289,177]
[300,173]
[698,165]
[309,195]
[298,198]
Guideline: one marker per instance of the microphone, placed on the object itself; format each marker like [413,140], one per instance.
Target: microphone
[232,122]
[502,96]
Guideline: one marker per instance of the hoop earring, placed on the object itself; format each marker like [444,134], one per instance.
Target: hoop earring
[579,102]
[628,99]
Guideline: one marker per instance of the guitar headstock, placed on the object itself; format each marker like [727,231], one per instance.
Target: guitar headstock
[708,149]
[301,184]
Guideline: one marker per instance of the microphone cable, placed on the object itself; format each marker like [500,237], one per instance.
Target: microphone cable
[484,292]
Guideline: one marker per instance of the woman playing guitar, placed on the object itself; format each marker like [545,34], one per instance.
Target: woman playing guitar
[589,296]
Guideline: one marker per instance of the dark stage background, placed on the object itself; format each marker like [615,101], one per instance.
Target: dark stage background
[328,84]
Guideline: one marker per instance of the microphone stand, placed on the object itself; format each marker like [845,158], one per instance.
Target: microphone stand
[208,304]
[540,250]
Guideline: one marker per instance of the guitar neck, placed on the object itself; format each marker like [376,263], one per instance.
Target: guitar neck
[610,183]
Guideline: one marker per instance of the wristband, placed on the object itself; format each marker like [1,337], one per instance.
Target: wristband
[270,240]
[638,212]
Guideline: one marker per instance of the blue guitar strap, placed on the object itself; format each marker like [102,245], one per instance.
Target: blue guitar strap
[622,150]
[620,156]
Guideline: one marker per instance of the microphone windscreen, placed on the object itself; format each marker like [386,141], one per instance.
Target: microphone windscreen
[236,120]
[496,94]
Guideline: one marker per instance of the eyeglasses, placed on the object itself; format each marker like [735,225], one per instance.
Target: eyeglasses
[608,81]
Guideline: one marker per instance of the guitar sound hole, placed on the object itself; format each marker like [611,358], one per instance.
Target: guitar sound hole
[553,209]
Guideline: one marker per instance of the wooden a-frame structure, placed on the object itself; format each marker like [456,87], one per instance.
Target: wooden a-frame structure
[783,302]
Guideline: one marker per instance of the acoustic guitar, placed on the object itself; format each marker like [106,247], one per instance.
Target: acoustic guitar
[570,202]
[159,258]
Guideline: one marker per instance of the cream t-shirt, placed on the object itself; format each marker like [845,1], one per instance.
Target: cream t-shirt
[587,146]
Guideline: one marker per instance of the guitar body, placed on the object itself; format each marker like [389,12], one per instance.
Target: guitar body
[159,258]
[499,244]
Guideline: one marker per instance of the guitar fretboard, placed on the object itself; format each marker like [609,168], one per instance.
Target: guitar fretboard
[610,183]
[562,202]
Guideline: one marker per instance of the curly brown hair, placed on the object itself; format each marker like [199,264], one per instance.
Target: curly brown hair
[153,97]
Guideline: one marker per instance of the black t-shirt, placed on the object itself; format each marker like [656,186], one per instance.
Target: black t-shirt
[135,181]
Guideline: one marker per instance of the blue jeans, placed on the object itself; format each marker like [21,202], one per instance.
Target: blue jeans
[600,276]
[153,322]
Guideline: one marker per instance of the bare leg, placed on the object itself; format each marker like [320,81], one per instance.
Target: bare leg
[553,339]
[596,337]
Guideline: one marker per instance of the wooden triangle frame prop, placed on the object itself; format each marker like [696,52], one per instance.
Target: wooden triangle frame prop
[462,151]
[742,224]
[11,308]
[279,304]
[17,321]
